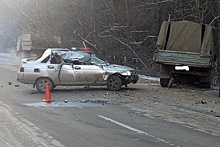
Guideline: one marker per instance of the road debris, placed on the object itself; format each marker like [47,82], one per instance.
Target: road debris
[201,102]
[95,101]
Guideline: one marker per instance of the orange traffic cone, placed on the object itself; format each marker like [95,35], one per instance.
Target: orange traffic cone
[47,97]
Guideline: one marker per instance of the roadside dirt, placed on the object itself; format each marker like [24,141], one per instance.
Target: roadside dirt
[184,96]
[190,106]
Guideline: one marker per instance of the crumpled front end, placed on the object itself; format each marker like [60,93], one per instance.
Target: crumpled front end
[132,79]
[127,74]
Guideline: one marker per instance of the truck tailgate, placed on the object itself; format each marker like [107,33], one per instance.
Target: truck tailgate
[181,58]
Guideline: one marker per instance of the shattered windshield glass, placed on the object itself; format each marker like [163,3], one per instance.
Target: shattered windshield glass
[83,57]
[74,55]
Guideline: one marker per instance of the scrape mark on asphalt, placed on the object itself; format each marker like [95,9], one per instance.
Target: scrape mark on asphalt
[135,130]
[78,104]
[6,136]
[60,104]
[6,142]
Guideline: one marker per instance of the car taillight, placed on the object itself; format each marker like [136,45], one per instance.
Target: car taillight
[86,49]
[22,69]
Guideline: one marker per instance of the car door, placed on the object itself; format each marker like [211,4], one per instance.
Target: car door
[66,74]
[88,74]
[61,73]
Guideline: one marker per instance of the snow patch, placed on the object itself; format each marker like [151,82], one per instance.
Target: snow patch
[149,78]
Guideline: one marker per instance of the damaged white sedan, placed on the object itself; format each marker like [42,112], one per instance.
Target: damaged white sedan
[63,67]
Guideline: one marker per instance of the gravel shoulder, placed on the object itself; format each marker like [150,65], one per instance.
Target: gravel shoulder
[189,106]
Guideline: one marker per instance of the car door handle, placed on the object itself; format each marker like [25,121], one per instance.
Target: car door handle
[77,67]
[50,66]
[36,70]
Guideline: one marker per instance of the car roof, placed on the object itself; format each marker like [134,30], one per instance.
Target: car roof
[58,49]
[67,53]
[83,56]
[49,50]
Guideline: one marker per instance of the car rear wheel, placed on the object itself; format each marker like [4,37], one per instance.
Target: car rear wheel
[41,84]
[114,83]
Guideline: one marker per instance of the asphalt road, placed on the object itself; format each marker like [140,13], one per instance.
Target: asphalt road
[81,117]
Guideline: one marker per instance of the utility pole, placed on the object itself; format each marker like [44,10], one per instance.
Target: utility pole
[216,37]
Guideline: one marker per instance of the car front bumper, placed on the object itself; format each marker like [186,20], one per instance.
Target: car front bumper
[132,79]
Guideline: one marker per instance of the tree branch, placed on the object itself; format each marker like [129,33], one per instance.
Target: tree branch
[123,43]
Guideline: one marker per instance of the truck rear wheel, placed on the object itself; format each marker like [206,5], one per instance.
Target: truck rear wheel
[205,84]
[164,82]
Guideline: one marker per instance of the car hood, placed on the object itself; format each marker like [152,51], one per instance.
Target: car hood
[115,67]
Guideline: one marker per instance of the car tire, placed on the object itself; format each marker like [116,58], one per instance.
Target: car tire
[41,84]
[164,82]
[114,83]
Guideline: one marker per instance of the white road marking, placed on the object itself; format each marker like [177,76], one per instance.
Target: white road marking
[133,129]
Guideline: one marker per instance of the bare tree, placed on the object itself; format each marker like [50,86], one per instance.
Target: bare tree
[121,31]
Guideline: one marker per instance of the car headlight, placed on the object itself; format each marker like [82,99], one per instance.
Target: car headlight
[126,73]
[133,72]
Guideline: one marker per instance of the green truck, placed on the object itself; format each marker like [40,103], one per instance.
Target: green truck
[184,51]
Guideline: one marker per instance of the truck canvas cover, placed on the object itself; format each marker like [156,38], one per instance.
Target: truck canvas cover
[183,43]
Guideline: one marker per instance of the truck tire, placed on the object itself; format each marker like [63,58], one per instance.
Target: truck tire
[205,85]
[164,82]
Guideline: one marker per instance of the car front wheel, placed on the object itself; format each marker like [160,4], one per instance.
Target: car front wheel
[41,84]
[114,83]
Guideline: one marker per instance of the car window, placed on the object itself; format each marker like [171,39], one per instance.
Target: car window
[55,58]
[46,59]
[97,61]
[77,63]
